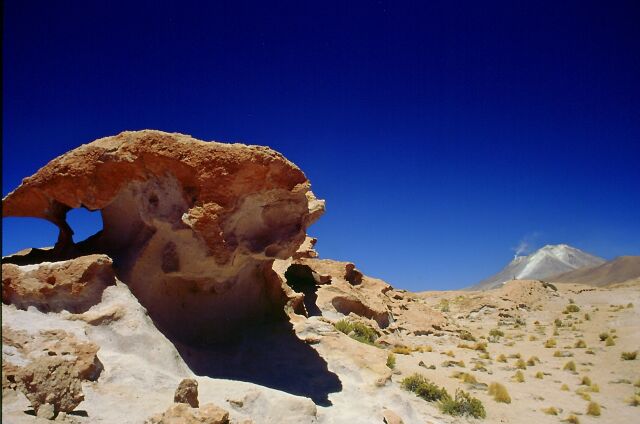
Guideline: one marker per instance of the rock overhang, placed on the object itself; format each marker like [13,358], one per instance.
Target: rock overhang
[193,227]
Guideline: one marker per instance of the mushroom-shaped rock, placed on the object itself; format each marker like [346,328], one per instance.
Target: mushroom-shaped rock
[192,226]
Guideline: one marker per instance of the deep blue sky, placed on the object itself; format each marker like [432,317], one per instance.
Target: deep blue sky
[441,134]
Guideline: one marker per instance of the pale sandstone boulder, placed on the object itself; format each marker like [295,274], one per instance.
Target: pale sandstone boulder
[51,380]
[74,285]
[181,413]
[48,367]
[187,392]
[192,225]
[30,347]
[391,417]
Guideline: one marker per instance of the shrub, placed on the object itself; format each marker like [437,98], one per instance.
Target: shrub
[564,388]
[532,361]
[540,375]
[465,377]
[572,307]
[593,409]
[343,326]
[551,343]
[580,344]
[422,349]
[586,381]
[515,356]
[550,411]
[609,341]
[484,355]
[465,335]
[557,322]
[463,404]
[519,377]
[629,305]
[555,332]
[634,400]
[495,332]
[501,358]
[562,354]
[532,338]
[521,365]
[391,361]
[444,305]
[603,336]
[570,366]
[571,419]
[587,317]
[594,388]
[480,346]
[629,356]
[589,352]
[499,393]
[402,350]
[357,331]
[423,388]
[582,392]
[450,353]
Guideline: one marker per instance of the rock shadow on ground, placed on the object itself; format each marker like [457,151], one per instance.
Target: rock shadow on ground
[268,355]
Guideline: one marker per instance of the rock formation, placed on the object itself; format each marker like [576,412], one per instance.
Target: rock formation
[181,413]
[187,392]
[48,367]
[73,285]
[191,225]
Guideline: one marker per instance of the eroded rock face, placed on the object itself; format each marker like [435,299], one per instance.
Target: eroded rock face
[48,368]
[74,285]
[192,226]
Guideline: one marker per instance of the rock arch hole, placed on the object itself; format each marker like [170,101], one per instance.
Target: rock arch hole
[23,233]
[302,279]
[84,223]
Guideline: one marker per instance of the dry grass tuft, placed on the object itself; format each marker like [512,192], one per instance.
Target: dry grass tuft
[570,366]
[593,409]
[519,376]
[550,410]
[401,350]
[499,393]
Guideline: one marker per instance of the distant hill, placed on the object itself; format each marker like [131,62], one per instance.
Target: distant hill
[546,262]
[616,271]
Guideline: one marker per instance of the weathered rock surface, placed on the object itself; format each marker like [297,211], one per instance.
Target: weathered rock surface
[187,392]
[53,381]
[48,367]
[21,348]
[192,225]
[181,413]
[391,417]
[74,285]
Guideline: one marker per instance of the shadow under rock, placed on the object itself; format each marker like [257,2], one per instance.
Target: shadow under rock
[268,355]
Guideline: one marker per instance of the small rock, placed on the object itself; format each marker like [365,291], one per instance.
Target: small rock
[391,417]
[183,414]
[187,392]
[46,411]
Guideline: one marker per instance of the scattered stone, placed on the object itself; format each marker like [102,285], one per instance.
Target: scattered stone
[391,417]
[181,413]
[187,392]
[51,380]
